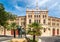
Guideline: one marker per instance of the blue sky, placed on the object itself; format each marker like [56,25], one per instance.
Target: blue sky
[18,7]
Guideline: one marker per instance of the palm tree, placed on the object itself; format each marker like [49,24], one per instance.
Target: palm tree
[12,26]
[11,16]
[5,16]
[35,30]
[5,26]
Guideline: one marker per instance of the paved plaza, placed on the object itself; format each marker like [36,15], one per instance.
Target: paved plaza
[43,39]
[5,38]
[50,39]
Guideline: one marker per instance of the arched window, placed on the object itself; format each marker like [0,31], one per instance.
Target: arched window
[39,21]
[30,16]
[39,15]
[49,29]
[44,21]
[29,20]
[34,20]
[43,16]
[44,29]
[35,16]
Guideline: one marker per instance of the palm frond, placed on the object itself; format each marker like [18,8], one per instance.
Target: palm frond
[36,28]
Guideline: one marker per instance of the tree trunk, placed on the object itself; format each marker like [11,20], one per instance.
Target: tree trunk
[33,38]
[14,34]
[4,31]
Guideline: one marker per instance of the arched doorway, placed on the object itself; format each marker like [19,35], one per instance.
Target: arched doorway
[57,31]
[53,32]
[12,32]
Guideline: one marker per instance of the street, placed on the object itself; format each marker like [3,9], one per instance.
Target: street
[5,38]
[50,39]
[43,39]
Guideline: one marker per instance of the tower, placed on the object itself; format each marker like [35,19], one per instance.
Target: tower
[37,4]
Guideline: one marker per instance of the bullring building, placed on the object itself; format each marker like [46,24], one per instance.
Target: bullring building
[50,24]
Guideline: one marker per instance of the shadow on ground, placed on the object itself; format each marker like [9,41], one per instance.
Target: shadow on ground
[50,39]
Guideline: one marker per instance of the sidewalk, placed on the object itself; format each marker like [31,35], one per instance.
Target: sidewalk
[5,38]
[5,41]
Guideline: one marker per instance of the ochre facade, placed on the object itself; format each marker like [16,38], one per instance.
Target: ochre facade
[51,25]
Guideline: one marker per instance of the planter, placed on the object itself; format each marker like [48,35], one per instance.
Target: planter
[18,40]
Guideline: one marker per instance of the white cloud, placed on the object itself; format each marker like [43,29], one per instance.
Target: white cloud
[43,2]
[40,3]
[19,8]
[53,5]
